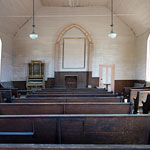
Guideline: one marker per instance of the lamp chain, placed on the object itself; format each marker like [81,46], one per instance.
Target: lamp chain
[112,22]
[33,17]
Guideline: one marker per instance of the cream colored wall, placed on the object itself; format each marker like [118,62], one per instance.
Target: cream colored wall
[119,51]
[140,55]
[6,60]
[73,33]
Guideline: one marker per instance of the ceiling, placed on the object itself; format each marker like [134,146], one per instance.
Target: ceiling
[14,13]
[134,13]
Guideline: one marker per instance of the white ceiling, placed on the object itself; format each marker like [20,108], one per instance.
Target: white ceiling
[134,13]
[14,13]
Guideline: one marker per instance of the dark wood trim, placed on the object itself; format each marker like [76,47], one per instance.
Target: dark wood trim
[85,79]
[20,85]
[120,84]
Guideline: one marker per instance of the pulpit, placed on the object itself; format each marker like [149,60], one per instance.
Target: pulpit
[36,75]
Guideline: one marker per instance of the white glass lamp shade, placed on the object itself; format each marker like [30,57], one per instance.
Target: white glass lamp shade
[112,35]
[33,36]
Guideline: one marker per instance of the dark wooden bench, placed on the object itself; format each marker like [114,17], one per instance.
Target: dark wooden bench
[24,92]
[126,90]
[62,99]
[63,91]
[72,92]
[6,96]
[72,147]
[134,91]
[141,97]
[13,90]
[146,105]
[73,89]
[75,129]
[69,95]
[64,108]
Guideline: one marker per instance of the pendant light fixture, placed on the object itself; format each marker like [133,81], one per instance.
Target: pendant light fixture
[33,35]
[112,34]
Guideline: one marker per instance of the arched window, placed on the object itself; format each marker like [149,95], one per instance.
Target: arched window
[0,56]
[148,60]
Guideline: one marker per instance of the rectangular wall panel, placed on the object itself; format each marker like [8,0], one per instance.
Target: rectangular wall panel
[74,53]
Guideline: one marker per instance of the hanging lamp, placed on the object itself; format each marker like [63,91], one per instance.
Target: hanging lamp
[112,34]
[33,35]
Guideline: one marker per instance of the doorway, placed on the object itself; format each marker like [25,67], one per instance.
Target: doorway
[107,77]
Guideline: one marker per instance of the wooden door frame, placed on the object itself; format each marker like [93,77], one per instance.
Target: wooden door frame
[112,66]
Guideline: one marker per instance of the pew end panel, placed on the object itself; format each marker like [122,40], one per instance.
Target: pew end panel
[146,105]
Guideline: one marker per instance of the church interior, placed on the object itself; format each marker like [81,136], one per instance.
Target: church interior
[75,74]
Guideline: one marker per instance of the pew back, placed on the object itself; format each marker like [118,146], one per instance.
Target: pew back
[13,90]
[133,93]
[75,129]
[70,95]
[6,95]
[65,108]
[62,99]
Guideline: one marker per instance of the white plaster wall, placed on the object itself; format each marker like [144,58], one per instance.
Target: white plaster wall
[50,22]
[140,55]
[73,33]
[6,60]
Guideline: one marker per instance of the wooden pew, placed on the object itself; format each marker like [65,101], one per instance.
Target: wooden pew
[64,91]
[13,90]
[126,90]
[62,99]
[141,97]
[74,92]
[82,91]
[72,89]
[24,92]
[72,147]
[75,129]
[6,96]
[134,91]
[146,105]
[65,108]
[69,95]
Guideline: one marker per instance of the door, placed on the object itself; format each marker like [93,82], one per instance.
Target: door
[107,77]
